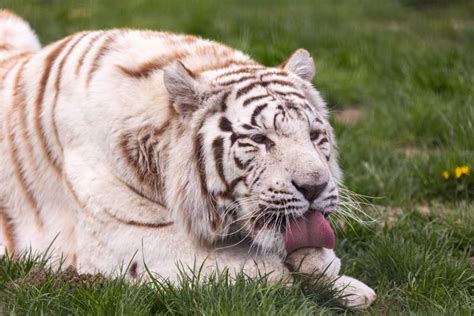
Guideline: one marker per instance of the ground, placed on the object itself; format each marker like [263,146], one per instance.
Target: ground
[398,77]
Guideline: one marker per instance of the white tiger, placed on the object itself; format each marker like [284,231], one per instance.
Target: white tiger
[156,148]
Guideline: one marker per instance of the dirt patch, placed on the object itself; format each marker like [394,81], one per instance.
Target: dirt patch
[424,209]
[413,150]
[461,25]
[74,279]
[36,276]
[410,151]
[349,115]
[70,277]
[437,208]
[389,215]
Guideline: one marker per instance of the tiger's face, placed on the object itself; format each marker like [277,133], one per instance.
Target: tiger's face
[270,156]
[281,147]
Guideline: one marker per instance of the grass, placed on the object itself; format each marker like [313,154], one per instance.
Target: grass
[44,290]
[406,66]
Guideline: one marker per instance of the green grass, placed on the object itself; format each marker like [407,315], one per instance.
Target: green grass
[407,66]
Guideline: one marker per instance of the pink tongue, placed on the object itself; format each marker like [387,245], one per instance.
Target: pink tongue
[312,231]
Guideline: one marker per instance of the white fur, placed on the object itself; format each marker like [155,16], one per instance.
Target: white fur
[16,34]
[92,207]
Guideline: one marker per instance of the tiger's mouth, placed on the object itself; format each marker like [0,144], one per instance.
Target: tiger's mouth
[311,230]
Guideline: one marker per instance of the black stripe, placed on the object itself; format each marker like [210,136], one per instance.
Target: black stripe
[296,94]
[248,162]
[218,150]
[307,107]
[248,126]
[201,164]
[235,81]
[299,112]
[225,125]
[200,159]
[278,82]
[247,70]
[282,112]
[234,137]
[258,177]
[331,197]
[234,183]
[255,98]
[293,107]
[279,191]
[278,73]
[224,101]
[256,112]
[238,162]
[277,210]
[322,141]
[141,194]
[283,201]
[246,89]
[274,121]
[251,151]
[245,145]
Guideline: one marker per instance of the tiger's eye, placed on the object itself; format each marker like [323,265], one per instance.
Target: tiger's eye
[259,138]
[262,139]
[314,135]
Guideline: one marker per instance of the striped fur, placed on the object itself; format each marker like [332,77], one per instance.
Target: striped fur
[121,141]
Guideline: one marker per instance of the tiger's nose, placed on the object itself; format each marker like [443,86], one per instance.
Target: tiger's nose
[310,190]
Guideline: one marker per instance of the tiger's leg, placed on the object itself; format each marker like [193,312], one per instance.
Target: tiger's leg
[181,253]
[239,259]
[321,260]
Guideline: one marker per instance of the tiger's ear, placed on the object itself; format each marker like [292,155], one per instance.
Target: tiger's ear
[182,87]
[301,64]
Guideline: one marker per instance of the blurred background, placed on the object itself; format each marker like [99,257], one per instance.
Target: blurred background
[398,75]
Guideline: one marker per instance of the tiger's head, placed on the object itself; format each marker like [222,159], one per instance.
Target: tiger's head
[253,156]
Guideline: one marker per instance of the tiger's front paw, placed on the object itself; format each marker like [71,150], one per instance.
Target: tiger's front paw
[315,261]
[355,294]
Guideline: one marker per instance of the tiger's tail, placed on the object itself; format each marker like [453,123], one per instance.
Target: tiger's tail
[16,35]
